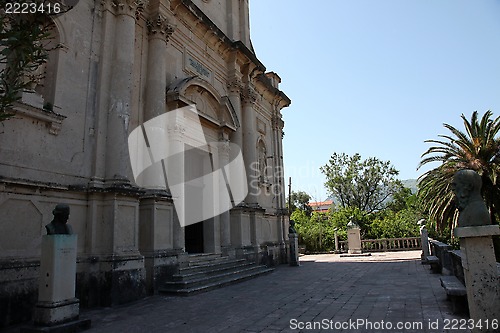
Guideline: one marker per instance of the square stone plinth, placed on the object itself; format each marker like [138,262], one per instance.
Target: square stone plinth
[52,313]
[57,269]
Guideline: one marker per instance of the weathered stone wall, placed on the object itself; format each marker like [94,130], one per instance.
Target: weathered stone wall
[118,66]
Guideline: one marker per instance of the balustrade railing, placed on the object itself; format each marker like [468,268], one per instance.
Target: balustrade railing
[386,244]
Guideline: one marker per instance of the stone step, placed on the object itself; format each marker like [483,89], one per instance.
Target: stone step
[207,270]
[205,279]
[192,287]
[201,258]
[212,265]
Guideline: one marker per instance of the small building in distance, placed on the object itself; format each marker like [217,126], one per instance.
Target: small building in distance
[321,206]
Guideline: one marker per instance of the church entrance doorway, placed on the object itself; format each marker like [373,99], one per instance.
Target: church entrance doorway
[194,238]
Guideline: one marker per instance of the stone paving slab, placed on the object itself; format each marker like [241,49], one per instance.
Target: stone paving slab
[385,292]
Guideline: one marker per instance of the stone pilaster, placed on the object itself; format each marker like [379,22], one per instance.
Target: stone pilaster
[235,88]
[249,126]
[225,228]
[159,31]
[278,173]
[118,170]
[175,171]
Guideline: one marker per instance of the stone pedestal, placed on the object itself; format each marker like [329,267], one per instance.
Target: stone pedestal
[337,242]
[424,240]
[294,249]
[57,307]
[354,241]
[481,275]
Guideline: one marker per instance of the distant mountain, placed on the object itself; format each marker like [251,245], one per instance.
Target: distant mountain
[411,184]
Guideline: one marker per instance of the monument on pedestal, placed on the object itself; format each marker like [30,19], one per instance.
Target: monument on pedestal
[424,240]
[478,256]
[353,238]
[336,235]
[294,244]
[57,309]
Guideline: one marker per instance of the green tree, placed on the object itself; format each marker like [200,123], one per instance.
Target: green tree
[403,199]
[316,232]
[24,46]
[342,216]
[300,200]
[364,184]
[476,148]
[399,219]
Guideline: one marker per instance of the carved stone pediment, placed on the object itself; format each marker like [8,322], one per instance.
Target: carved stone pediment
[216,109]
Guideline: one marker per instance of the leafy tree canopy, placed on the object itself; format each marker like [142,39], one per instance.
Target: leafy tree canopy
[477,147]
[300,200]
[363,184]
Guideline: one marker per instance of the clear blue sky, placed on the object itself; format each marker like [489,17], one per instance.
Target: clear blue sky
[375,77]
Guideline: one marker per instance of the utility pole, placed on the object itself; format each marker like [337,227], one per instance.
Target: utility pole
[289,196]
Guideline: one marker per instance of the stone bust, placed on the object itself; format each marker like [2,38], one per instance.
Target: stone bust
[59,224]
[291,227]
[467,188]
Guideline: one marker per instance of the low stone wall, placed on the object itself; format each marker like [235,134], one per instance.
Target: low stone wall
[456,264]
[442,252]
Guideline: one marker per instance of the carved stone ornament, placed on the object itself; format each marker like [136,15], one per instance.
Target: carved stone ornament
[248,95]
[129,7]
[176,130]
[160,28]
[235,86]
[224,147]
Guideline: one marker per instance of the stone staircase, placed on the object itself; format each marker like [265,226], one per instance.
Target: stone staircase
[203,272]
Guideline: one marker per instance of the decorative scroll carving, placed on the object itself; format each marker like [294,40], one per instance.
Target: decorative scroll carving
[176,131]
[248,95]
[235,86]
[128,7]
[224,148]
[160,28]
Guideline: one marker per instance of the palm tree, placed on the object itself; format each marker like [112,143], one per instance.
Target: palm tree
[476,148]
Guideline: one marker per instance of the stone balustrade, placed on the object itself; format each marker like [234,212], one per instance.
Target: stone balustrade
[386,244]
[391,244]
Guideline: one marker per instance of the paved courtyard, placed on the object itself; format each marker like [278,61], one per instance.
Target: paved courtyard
[386,292]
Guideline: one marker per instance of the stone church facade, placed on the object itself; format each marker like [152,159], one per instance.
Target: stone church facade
[121,63]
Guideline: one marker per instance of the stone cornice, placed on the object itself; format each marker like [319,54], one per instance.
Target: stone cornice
[52,119]
[234,45]
[281,99]
[239,46]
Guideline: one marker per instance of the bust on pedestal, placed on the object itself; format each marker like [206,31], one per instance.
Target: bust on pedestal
[424,240]
[353,237]
[478,256]
[294,244]
[57,308]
